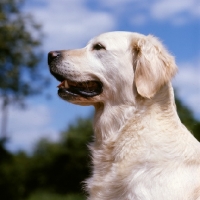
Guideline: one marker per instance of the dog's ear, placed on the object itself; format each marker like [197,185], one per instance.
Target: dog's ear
[153,65]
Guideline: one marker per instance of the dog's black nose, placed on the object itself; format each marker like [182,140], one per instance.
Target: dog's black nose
[52,55]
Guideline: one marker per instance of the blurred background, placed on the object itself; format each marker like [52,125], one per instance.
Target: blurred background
[43,152]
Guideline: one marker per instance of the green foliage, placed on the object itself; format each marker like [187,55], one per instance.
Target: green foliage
[20,54]
[61,167]
[188,119]
[20,40]
[50,196]
[58,168]
[12,175]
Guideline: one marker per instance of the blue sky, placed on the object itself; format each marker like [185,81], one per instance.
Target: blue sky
[70,24]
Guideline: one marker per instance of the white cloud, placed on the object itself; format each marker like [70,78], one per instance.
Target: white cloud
[27,126]
[187,84]
[34,116]
[178,11]
[70,24]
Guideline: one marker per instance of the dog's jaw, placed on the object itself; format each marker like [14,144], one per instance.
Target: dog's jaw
[87,89]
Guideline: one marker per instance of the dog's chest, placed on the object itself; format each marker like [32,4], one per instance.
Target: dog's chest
[125,176]
[137,183]
[115,176]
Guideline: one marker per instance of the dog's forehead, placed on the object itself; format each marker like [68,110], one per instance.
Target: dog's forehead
[109,39]
[118,39]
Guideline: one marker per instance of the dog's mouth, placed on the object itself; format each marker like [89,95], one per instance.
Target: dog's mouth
[84,89]
[68,89]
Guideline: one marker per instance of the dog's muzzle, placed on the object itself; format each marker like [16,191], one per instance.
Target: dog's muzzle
[69,88]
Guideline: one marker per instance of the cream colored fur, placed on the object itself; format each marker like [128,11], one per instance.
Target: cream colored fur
[141,150]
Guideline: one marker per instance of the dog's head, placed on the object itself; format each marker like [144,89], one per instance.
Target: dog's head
[110,67]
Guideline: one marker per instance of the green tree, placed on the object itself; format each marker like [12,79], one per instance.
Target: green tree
[12,174]
[62,167]
[188,118]
[20,41]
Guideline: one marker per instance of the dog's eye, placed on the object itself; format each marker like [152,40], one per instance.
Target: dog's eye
[98,47]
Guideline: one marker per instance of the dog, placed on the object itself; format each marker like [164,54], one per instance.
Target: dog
[141,150]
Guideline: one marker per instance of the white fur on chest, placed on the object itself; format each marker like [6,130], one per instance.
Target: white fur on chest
[142,165]
[114,180]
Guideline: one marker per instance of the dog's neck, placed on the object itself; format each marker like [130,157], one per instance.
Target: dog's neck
[109,119]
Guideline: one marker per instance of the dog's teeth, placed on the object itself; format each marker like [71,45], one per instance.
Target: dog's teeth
[66,84]
[61,85]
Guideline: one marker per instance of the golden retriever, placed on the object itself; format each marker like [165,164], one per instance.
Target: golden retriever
[141,150]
